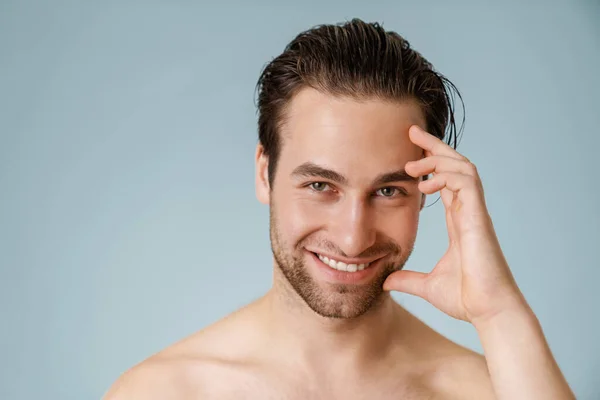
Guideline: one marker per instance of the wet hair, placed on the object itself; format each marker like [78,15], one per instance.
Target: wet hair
[358,60]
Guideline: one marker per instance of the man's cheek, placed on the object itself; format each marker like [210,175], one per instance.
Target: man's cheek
[301,219]
[401,224]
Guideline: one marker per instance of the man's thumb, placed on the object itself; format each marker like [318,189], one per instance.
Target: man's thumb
[410,282]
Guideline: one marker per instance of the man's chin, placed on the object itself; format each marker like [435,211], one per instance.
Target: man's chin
[344,308]
[340,300]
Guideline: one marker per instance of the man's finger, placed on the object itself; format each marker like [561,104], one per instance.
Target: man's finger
[431,144]
[439,164]
[453,181]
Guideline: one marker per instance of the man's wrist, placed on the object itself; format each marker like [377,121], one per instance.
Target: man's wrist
[514,310]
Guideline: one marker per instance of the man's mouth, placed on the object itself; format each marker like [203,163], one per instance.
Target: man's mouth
[342,266]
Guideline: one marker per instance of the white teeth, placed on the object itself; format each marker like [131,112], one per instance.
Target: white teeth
[342,266]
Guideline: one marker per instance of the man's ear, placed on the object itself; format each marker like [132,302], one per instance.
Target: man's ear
[263,191]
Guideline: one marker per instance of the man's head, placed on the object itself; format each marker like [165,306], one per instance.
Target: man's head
[334,114]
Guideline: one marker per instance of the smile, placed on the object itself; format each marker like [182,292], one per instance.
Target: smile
[341,266]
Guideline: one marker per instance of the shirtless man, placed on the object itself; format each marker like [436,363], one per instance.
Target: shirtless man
[355,129]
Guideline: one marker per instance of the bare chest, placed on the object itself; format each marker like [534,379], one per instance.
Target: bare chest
[284,385]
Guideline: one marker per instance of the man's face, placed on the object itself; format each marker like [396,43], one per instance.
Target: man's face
[339,192]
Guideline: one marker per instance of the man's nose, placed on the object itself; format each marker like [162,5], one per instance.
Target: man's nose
[353,227]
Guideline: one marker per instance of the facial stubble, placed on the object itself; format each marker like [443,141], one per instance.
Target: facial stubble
[335,300]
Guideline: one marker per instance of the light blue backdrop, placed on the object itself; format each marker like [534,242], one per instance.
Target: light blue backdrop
[127,210]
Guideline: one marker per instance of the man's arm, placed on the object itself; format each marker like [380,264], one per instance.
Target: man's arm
[519,360]
[473,282]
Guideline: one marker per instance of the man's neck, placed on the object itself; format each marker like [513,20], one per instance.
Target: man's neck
[313,340]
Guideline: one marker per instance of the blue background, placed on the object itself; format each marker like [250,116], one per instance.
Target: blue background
[127,134]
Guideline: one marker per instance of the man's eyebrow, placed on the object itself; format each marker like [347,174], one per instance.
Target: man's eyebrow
[309,170]
[395,176]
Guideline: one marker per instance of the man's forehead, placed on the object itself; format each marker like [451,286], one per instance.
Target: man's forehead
[332,130]
[334,120]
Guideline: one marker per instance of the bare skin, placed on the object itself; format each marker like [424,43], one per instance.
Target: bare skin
[252,354]
[348,186]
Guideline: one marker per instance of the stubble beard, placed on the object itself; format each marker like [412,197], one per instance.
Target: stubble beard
[335,300]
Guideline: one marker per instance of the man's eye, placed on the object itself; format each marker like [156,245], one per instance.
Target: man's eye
[318,186]
[389,192]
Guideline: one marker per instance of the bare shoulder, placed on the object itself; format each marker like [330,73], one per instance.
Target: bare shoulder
[195,367]
[461,373]
[155,378]
[450,369]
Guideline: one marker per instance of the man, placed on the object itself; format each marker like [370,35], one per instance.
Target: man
[351,126]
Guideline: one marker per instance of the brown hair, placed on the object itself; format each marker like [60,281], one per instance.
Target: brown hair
[358,60]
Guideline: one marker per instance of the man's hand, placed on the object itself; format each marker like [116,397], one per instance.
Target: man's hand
[472,281]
